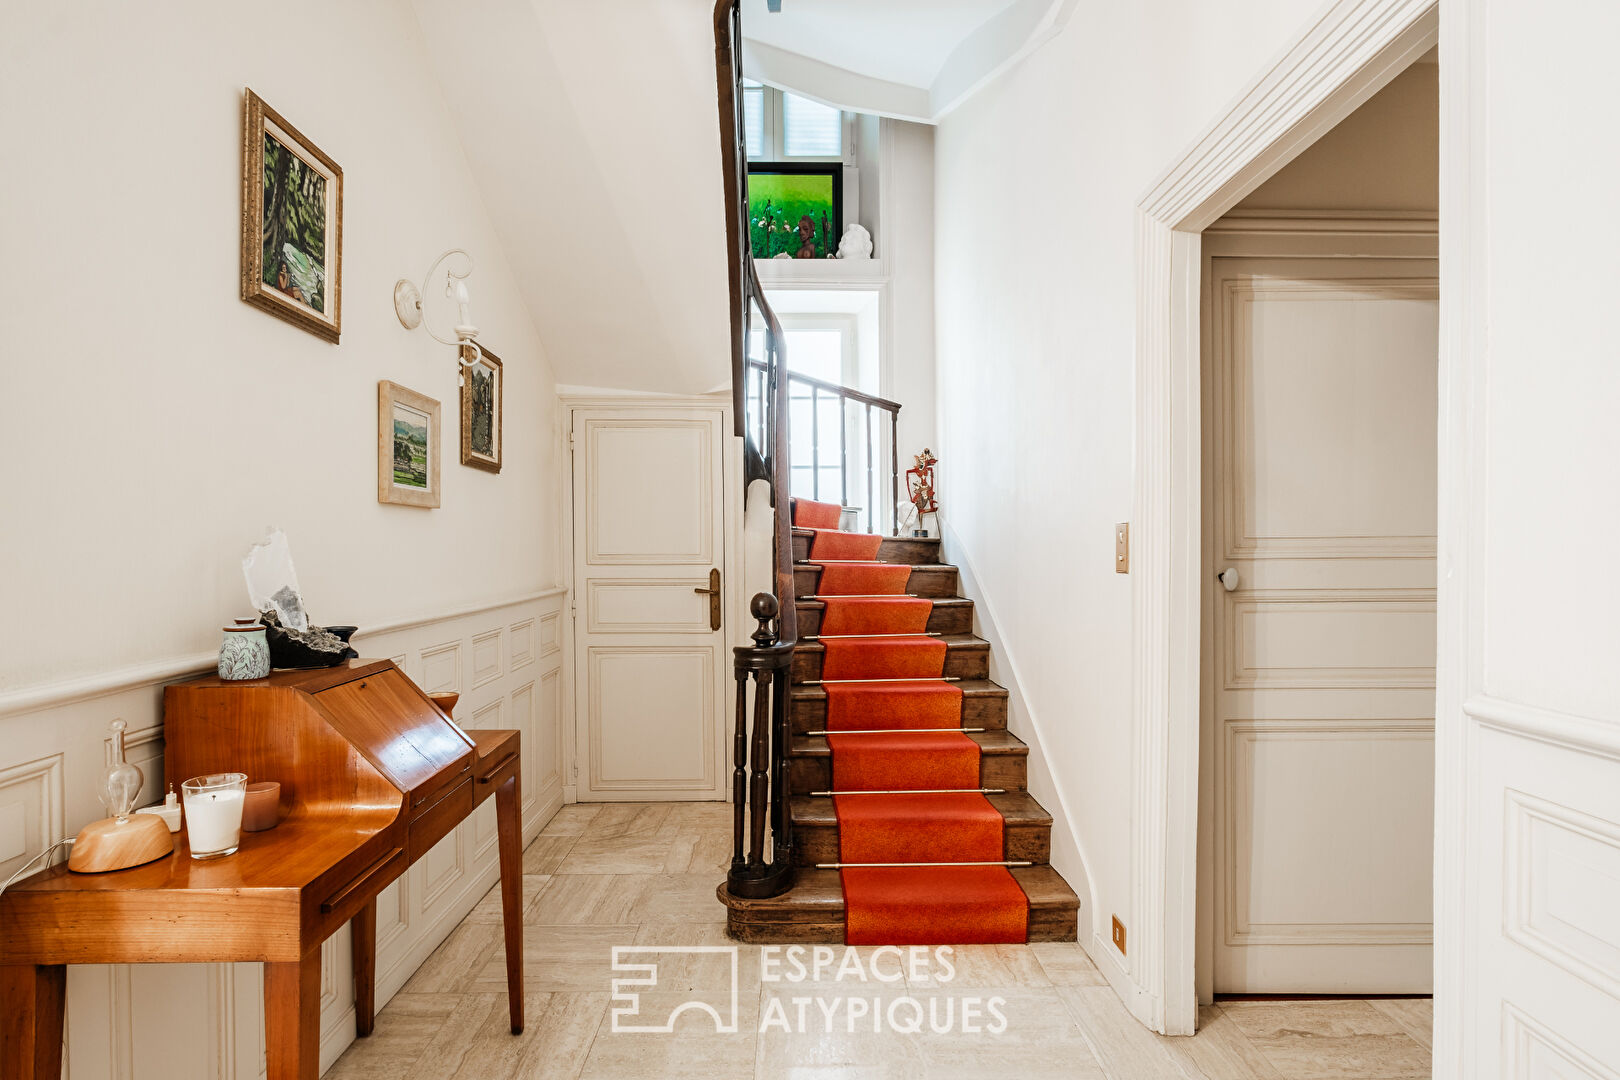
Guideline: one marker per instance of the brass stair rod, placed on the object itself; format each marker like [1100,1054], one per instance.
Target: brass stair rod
[922,791]
[824,682]
[898,731]
[854,865]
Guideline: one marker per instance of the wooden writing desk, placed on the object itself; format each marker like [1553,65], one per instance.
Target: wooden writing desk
[372,775]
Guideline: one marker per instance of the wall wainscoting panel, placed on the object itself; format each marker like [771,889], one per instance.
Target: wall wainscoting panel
[206,1021]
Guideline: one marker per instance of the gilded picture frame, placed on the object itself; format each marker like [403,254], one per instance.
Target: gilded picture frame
[292,223]
[407,447]
[483,385]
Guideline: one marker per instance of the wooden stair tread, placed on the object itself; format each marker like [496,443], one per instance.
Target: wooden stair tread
[952,641]
[813,910]
[916,550]
[998,742]
[1019,808]
[939,602]
[982,688]
[933,580]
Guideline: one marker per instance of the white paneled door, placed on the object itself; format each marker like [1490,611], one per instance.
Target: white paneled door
[1321,407]
[650,659]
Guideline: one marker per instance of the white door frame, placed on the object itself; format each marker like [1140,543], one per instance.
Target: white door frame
[1349,53]
[734,601]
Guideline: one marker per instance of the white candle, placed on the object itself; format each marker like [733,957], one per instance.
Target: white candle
[213,818]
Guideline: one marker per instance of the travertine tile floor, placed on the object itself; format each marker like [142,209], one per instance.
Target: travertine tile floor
[645,874]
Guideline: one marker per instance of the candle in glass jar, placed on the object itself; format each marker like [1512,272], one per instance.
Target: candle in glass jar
[214,813]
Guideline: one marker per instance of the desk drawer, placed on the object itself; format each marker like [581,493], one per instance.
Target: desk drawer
[435,821]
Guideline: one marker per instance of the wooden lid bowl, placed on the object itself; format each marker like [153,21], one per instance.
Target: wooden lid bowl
[110,844]
[446,700]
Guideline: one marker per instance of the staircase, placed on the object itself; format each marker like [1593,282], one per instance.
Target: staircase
[813,910]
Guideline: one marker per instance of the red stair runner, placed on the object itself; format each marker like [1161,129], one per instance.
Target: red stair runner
[898,813]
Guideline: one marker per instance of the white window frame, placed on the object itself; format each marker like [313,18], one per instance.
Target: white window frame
[775,126]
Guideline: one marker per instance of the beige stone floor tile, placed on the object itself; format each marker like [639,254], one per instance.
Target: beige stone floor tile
[546,853]
[820,1043]
[679,897]
[637,854]
[453,966]
[1415,1015]
[1219,1051]
[706,970]
[1041,1039]
[1066,964]
[589,899]
[489,908]
[571,820]
[693,1051]
[562,959]
[710,852]
[698,816]
[1329,1040]
[1126,1049]
[629,819]
[405,1028]
[980,965]
[477,1042]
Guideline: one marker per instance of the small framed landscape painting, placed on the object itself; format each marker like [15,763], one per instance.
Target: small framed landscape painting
[482,385]
[292,223]
[407,446]
[795,209]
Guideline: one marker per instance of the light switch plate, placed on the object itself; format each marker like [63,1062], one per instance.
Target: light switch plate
[1119,935]
[1122,548]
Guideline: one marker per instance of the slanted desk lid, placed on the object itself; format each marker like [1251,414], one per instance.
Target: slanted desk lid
[401,732]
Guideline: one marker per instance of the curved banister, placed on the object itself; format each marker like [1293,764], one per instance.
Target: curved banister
[759,772]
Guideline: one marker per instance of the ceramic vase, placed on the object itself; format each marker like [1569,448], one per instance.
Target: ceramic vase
[244,653]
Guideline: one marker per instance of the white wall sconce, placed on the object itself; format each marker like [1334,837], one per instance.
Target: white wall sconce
[408,306]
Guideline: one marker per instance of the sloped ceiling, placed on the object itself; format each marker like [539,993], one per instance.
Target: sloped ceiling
[591,128]
[910,59]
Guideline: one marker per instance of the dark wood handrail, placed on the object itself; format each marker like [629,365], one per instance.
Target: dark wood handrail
[837,388]
[759,773]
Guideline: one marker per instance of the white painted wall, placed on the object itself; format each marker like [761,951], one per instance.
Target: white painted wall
[593,130]
[1036,183]
[153,422]
[907,249]
[1528,888]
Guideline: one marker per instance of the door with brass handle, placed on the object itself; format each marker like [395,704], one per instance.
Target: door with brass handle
[713,593]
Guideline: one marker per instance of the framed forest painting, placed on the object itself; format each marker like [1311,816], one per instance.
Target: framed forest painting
[482,386]
[407,446]
[292,223]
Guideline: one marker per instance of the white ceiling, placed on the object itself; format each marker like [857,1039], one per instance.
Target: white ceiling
[899,41]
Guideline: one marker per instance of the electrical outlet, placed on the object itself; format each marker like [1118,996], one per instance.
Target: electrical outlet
[1119,935]
[1122,548]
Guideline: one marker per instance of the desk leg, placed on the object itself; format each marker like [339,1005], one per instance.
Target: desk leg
[363,950]
[509,825]
[32,998]
[292,1018]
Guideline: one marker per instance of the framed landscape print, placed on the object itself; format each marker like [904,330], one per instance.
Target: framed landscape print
[407,446]
[481,387]
[292,223]
[795,209]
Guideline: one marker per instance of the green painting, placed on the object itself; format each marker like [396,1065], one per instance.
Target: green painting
[794,213]
[410,448]
[294,232]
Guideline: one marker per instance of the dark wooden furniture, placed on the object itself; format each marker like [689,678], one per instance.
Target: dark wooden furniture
[372,775]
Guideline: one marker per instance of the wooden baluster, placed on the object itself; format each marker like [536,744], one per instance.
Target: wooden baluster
[759,783]
[739,771]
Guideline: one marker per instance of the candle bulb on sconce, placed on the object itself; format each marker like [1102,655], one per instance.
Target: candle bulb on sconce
[408,306]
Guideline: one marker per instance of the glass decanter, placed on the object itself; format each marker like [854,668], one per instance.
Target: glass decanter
[121,783]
